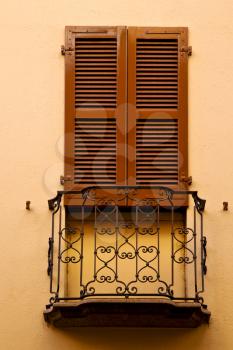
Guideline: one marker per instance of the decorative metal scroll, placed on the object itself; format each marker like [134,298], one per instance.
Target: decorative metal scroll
[126,244]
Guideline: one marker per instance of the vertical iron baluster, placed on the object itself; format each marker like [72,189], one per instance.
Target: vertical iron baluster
[50,255]
[158,237]
[95,248]
[195,249]
[81,261]
[172,245]
[116,229]
[203,267]
[203,259]
[59,254]
[136,243]
[184,265]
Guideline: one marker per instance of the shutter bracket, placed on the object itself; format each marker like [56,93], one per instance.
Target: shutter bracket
[66,50]
[187,49]
[187,179]
[64,179]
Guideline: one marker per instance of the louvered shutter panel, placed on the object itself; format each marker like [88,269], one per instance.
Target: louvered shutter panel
[157,113]
[95,108]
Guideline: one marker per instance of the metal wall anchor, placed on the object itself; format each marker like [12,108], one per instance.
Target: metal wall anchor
[28,203]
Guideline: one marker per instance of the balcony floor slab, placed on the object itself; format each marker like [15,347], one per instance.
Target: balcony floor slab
[131,312]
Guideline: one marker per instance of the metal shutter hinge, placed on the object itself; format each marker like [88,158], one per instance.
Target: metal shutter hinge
[187,49]
[66,50]
[64,179]
[188,180]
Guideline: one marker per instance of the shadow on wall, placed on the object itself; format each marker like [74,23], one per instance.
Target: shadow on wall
[135,339]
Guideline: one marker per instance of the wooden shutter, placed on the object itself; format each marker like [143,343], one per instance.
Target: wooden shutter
[157,113]
[95,106]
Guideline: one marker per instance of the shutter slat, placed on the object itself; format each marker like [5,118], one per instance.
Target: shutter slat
[95,91]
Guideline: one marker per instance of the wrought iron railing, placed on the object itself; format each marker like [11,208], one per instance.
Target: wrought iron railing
[108,247]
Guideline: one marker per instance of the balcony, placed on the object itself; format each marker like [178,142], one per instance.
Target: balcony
[127,256]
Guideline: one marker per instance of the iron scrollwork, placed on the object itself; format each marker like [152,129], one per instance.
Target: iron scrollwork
[50,263]
[186,236]
[126,247]
[70,246]
[204,244]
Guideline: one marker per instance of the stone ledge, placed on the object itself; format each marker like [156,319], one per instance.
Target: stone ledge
[106,312]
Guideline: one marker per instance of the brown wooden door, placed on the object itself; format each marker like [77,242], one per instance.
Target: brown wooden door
[157,107]
[95,106]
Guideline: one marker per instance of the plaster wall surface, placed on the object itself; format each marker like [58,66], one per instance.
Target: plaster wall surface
[32,118]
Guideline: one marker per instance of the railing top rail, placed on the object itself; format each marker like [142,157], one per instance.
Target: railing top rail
[199,203]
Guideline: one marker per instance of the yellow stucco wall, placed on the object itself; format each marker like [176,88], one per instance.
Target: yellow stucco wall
[32,100]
